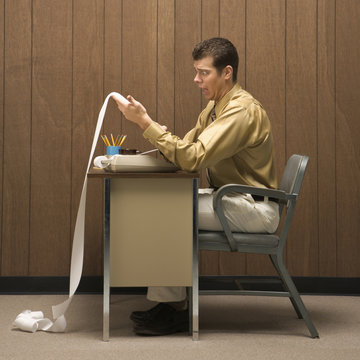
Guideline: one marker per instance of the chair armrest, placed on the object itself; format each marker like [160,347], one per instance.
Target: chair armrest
[245,189]
[282,196]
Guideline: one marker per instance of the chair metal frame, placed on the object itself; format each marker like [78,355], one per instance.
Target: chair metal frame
[270,244]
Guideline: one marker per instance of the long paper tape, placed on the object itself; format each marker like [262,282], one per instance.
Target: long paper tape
[32,321]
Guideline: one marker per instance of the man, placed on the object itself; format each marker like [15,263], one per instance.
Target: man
[232,139]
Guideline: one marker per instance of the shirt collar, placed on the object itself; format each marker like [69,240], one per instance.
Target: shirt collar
[226,98]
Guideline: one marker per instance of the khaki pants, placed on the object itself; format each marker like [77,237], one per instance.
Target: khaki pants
[244,215]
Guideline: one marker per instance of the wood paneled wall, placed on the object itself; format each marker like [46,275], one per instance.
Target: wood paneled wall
[60,58]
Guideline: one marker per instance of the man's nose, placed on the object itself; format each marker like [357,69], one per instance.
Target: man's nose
[197,79]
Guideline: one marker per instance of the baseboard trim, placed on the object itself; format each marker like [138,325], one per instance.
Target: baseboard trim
[305,285]
[94,284]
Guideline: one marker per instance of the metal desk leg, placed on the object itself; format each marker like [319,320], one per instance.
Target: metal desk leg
[195,281]
[106,296]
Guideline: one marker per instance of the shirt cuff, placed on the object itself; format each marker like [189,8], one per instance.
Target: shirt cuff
[153,132]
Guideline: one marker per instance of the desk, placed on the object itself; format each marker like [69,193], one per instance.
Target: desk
[150,234]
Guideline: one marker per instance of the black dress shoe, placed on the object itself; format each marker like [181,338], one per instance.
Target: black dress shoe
[177,321]
[162,310]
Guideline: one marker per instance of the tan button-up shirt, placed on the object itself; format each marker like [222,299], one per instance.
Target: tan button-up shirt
[236,148]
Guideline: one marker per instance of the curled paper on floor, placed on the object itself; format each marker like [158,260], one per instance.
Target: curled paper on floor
[32,321]
[27,322]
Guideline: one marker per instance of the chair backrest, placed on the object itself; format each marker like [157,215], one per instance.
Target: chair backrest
[294,174]
[291,183]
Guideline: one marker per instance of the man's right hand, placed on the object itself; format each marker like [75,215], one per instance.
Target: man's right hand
[134,111]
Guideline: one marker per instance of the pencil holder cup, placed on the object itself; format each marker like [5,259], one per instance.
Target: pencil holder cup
[113,150]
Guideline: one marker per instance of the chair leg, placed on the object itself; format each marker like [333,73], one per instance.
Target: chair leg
[297,310]
[295,297]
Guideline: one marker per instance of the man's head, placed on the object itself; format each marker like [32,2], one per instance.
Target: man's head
[215,62]
[222,51]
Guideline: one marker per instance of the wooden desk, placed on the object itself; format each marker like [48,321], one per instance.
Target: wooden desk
[151,239]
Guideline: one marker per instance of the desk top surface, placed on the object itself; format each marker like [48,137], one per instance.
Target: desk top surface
[101,173]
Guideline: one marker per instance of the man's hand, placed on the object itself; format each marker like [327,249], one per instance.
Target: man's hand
[134,111]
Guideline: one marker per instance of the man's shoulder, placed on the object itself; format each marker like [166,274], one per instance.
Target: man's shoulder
[242,99]
[242,95]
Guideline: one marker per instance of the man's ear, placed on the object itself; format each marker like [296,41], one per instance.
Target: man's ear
[228,71]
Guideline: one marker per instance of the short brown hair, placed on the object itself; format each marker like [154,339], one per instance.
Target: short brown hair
[222,51]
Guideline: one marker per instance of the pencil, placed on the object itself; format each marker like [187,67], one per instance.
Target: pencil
[123,139]
[119,140]
[107,141]
[103,139]
[112,139]
[116,140]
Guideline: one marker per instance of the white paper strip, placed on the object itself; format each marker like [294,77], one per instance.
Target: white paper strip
[26,320]
[32,321]
[102,161]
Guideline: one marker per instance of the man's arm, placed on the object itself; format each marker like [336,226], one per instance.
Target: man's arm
[232,131]
[136,112]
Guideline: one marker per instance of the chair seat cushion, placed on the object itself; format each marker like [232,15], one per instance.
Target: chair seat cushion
[216,240]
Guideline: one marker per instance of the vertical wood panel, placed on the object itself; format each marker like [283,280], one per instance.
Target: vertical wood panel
[112,63]
[210,19]
[235,31]
[347,136]
[265,80]
[139,68]
[17,126]
[88,36]
[232,27]
[265,65]
[301,131]
[326,138]
[166,64]
[2,94]
[112,66]
[51,138]
[187,35]
[210,25]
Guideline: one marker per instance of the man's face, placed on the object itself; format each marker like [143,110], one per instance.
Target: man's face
[212,84]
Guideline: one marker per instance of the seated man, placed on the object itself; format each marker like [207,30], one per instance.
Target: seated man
[232,139]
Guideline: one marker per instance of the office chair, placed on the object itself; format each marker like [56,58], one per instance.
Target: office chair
[270,244]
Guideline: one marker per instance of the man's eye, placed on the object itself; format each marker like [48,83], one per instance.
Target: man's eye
[204,73]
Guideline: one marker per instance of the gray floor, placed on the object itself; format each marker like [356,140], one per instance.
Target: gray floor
[231,327]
